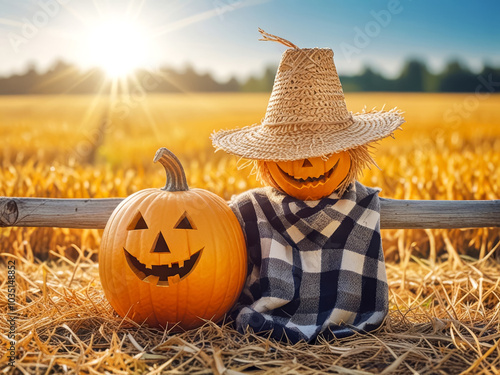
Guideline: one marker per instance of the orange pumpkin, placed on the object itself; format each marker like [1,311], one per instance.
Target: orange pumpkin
[173,255]
[308,179]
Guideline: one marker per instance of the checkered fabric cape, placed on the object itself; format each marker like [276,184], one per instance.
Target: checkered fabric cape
[315,267]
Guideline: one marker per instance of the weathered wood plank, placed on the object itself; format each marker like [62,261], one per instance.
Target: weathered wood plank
[61,213]
[432,214]
[395,214]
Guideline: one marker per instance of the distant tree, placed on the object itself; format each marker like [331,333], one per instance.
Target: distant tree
[231,85]
[456,78]
[350,83]
[65,78]
[431,82]
[264,83]
[489,79]
[252,84]
[20,84]
[412,77]
[268,78]
[369,80]
[90,82]
[168,80]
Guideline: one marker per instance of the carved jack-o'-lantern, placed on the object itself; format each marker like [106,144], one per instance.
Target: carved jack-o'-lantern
[172,255]
[308,179]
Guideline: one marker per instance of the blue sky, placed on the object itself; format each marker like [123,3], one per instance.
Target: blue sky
[221,36]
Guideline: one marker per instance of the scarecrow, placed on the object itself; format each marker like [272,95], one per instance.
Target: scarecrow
[315,256]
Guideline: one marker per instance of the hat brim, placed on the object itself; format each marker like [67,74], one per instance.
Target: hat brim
[261,142]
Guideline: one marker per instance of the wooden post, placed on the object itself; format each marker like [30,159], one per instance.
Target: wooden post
[395,214]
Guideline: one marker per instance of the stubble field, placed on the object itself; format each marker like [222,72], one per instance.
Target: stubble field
[444,284]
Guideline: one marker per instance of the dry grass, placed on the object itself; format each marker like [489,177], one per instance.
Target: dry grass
[442,321]
[444,284]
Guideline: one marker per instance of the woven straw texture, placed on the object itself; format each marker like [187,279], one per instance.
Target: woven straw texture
[307,114]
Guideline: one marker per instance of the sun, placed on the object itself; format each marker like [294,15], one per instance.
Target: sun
[119,46]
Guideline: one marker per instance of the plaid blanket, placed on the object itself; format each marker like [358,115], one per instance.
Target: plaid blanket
[315,267]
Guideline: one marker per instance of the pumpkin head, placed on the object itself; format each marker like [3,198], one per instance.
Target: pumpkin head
[173,255]
[308,179]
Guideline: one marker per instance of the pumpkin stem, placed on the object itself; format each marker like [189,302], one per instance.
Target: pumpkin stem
[176,178]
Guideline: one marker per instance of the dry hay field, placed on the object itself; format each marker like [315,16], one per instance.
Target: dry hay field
[444,284]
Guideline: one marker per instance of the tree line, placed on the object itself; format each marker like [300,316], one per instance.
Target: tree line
[65,78]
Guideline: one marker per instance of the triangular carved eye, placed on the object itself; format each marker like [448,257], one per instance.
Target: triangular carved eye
[307,163]
[184,222]
[137,223]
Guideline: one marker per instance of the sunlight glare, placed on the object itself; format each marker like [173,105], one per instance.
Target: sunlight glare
[118,46]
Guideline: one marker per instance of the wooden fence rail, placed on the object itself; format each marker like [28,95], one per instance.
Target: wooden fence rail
[395,214]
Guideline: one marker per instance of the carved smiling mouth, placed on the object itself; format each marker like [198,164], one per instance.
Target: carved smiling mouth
[162,275]
[310,181]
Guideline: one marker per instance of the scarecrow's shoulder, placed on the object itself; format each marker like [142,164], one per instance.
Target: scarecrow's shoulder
[363,191]
[245,205]
[250,196]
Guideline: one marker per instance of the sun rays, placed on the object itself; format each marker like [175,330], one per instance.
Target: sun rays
[118,52]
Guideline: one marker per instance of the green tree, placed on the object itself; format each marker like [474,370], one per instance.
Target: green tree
[457,78]
[413,77]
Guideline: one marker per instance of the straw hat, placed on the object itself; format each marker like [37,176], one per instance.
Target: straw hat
[307,115]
